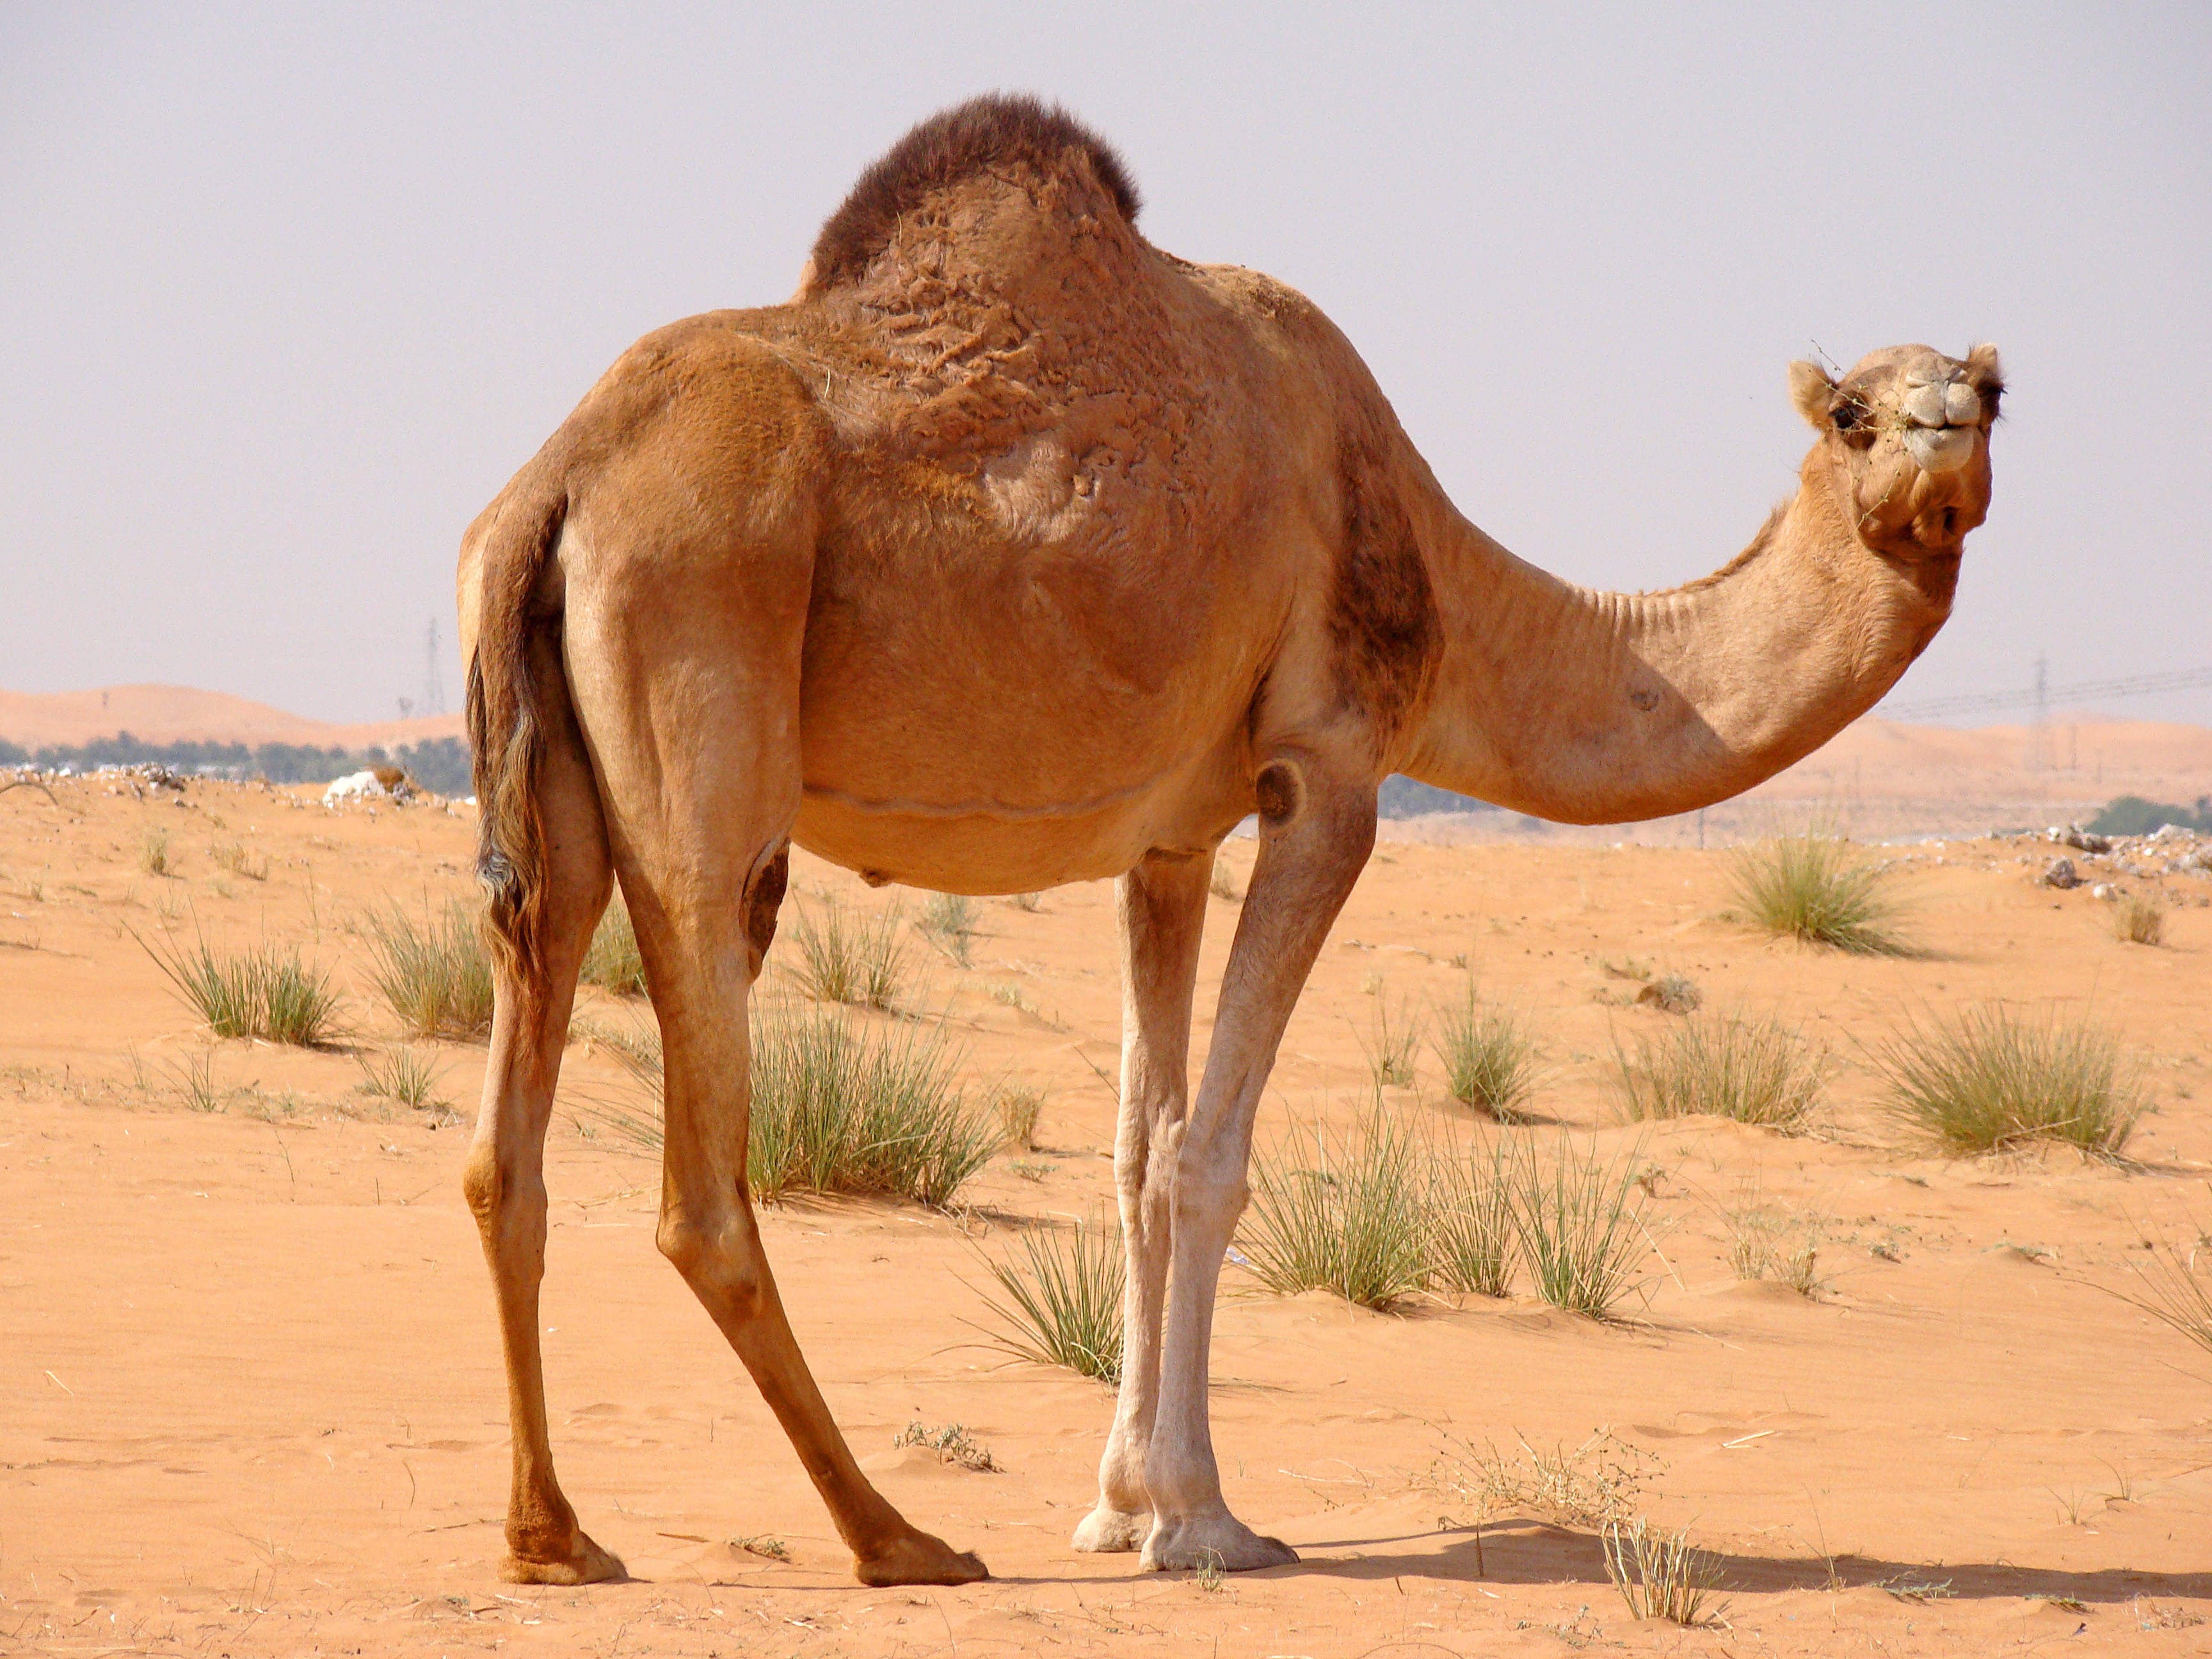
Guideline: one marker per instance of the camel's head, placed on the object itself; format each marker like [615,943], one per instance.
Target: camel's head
[1906,433]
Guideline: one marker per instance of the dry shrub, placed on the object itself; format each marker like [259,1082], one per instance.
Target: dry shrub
[1775,1245]
[232,857]
[1597,1484]
[1659,1575]
[1393,1040]
[1815,888]
[948,921]
[2138,921]
[1987,1077]
[1755,1071]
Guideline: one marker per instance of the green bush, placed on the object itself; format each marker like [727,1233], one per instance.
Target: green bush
[435,976]
[1813,887]
[1987,1078]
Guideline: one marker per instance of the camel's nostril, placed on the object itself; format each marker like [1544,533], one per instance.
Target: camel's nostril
[1924,406]
[1962,404]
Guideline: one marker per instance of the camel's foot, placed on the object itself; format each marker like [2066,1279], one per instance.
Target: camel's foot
[1216,1540]
[915,1557]
[1108,1531]
[585,1563]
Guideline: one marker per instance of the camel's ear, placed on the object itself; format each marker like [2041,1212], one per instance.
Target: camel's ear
[1987,375]
[1812,392]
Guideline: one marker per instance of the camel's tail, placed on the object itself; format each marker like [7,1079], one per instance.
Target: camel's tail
[511,721]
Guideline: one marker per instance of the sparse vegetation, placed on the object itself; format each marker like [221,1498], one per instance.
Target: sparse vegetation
[1393,1040]
[232,857]
[612,961]
[265,991]
[2175,1277]
[2138,921]
[153,856]
[1345,1214]
[1776,1245]
[2131,815]
[952,1444]
[433,976]
[1672,994]
[1597,1484]
[1815,888]
[1755,1070]
[1063,1303]
[1489,1059]
[1987,1078]
[1026,902]
[948,921]
[404,1077]
[1019,1108]
[195,1076]
[1581,1226]
[1659,1575]
[850,958]
[1471,1222]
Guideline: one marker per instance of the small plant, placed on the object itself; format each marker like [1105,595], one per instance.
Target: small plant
[1660,1575]
[1811,887]
[1489,1059]
[1063,1303]
[760,1544]
[1018,1109]
[612,961]
[153,856]
[1471,1223]
[261,992]
[433,976]
[195,1075]
[1756,1071]
[850,958]
[1987,1078]
[1597,1484]
[1393,1040]
[952,1444]
[1672,994]
[2176,1280]
[1025,901]
[232,857]
[1342,1213]
[1581,1226]
[1764,1244]
[404,1077]
[948,921]
[2138,921]
[1223,882]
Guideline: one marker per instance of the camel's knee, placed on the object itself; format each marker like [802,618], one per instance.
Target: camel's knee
[718,1260]
[507,1206]
[1207,1196]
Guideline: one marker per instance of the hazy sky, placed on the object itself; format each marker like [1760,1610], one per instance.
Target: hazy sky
[288,292]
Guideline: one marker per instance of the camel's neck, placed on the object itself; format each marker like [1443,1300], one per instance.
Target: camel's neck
[1594,707]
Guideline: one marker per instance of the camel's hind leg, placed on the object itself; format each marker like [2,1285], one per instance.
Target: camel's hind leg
[701,793]
[505,1178]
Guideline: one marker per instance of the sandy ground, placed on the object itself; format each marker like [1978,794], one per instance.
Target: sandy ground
[250,1390]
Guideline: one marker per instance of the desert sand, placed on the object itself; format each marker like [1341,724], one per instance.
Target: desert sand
[251,1397]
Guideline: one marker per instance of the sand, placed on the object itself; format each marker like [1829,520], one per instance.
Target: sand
[250,1399]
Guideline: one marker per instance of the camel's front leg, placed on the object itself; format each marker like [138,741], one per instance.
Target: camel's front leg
[1316,830]
[1163,913]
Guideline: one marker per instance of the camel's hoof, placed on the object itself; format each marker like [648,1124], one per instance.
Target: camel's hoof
[1108,1531]
[1219,1541]
[918,1558]
[588,1563]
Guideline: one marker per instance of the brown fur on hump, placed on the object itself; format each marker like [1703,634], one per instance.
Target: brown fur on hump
[998,130]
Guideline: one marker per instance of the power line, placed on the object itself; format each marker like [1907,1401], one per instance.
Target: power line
[2041,695]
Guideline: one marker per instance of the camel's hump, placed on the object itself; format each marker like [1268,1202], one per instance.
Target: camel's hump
[998,130]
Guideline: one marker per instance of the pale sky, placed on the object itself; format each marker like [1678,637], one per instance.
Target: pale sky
[288,292]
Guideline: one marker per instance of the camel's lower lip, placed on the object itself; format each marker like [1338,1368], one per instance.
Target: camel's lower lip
[1940,449]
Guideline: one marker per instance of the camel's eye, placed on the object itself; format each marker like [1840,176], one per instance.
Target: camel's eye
[1846,416]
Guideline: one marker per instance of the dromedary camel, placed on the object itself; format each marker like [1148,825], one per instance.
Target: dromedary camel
[1013,551]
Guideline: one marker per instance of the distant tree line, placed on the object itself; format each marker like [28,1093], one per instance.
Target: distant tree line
[2131,815]
[440,764]
[1402,797]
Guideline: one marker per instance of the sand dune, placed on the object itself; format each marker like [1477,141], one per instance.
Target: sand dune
[179,713]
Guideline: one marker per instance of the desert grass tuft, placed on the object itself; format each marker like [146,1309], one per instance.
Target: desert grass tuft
[948,921]
[1597,1484]
[1489,1059]
[2138,921]
[154,857]
[837,1107]
[265,991]
[1470,1227]
[434,976]
[2175,1281]
[1581,1226]
[952,1444]
[1815,888]
[612,961]
[1660,1575]
[232,856]
[850,958]
[1987,1078]
[1342,1212]
[404,1077]
[1393,1040]
[195,1075]
[1063,1300]
[1018,1109]
[1754,1070]
[1766,1245]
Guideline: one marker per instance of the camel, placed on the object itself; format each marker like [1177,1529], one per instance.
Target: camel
[1013,551]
